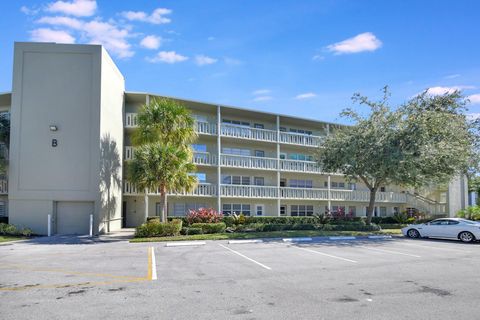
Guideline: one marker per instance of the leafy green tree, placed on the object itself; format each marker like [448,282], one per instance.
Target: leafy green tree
[426,140]
[163,155]
[5,141]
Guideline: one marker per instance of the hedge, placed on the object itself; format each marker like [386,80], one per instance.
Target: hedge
[153,228]
[218,227]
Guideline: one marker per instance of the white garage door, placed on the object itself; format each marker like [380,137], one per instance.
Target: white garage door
[73,217]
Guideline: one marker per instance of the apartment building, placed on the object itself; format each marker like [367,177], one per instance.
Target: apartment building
[72,122]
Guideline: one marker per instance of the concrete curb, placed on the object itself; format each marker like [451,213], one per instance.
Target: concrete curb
[379,237]
[342,238]
[296,239]
[185,243]
[245,241]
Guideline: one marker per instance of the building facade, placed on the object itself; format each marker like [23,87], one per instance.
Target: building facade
[72,121]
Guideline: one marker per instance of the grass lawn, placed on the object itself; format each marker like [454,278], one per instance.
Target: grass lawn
[271,234]
[10,238]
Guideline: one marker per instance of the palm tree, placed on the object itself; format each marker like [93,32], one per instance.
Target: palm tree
[163,156]
[166,168]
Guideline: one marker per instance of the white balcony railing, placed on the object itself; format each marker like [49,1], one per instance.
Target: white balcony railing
[426,205]
[300,139]
[3,186]
[243,132]
[364,196]
[202,189]
[236,191]
[206,128]
[300,166]
[237,161]
[129,153]
[304,193]
[204,158]
[131,120]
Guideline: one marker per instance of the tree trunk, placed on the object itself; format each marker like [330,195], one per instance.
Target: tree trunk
[163,205]
[371,205]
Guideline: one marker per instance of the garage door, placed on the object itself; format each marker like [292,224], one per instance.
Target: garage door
[73,217]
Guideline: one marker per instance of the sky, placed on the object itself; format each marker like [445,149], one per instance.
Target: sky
[304,58]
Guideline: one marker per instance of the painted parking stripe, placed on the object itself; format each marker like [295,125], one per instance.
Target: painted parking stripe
[152,265]
[296,239]
[185,243]
[245,241]
[327,255]
[342,238]
[432,247]
[379,237]
[245,257]
[391,252]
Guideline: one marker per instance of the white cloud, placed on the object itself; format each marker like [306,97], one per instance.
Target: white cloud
[29,11]
[474,98]
[156,17]
[78,8]
[262,98]
[452,76]
[167,57]
[110,36]
[307,95]
[203,60]
[49,35]
[473,116]
[151,42]
[261,92]
[363,42]
[318,57]
[439,90]
[62,21]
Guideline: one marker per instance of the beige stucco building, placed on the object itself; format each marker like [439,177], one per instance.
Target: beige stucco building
[72,119]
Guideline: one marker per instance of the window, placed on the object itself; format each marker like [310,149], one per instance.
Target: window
[294,183]
[395,210]
[259,153]
[237,208]
[352,211]
[338,209]
[301,131]
[301,210]
[335,185]
[283,182]
[383,211]
[202,177]
[283,129]
[199,147]
[452,222]
[3,209]
[181,209]
[259,209]
[352,186]
[283,210]
[382,189]
[259,125]
[300,156]
[238,180]
[236,151]
[200,118]
[283,156]
[259,181]
[236,122]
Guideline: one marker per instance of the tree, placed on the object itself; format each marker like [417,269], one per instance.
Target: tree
[4,140]
[426,140]
[163,155]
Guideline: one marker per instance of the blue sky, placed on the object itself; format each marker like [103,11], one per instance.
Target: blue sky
[304,58]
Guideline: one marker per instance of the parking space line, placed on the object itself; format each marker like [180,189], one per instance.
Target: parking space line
[244,256]
[392,252]
[432,247]
[152,266]
[327,255]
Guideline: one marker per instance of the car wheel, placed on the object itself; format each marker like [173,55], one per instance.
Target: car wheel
[466,236]
[413,233]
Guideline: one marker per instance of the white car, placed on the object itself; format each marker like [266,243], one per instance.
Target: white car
[452,228]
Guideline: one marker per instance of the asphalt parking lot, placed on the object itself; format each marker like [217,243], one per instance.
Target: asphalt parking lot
[341,279]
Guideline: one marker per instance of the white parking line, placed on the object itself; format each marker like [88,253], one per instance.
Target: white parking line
[327,255]
[244,256]
[432,247]
[185,243]
[296,239]
[392,252]
[245,241]
[154,265]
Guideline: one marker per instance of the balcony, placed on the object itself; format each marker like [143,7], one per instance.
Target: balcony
[236,161]
[3,186]
[304,193]
[204,158]
[236,191]
[131,121]
[243,132]
[202,190]
[364,196]
[300,166]
[300,139]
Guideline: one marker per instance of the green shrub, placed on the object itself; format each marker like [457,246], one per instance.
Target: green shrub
[251,227]
[393,225]
[274,227]
[153,219]
[191,231]
[302,226]
[210,227]
[9,229]
[159,229]
[471,213]
[356,227]
[26,232]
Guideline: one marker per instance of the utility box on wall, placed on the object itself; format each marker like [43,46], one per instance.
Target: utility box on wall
[67,101]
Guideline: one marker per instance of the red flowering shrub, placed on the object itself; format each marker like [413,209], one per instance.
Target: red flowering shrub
[204,215]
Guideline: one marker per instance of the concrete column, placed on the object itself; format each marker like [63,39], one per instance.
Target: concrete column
[219,150]
[329,193]
[278,165]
